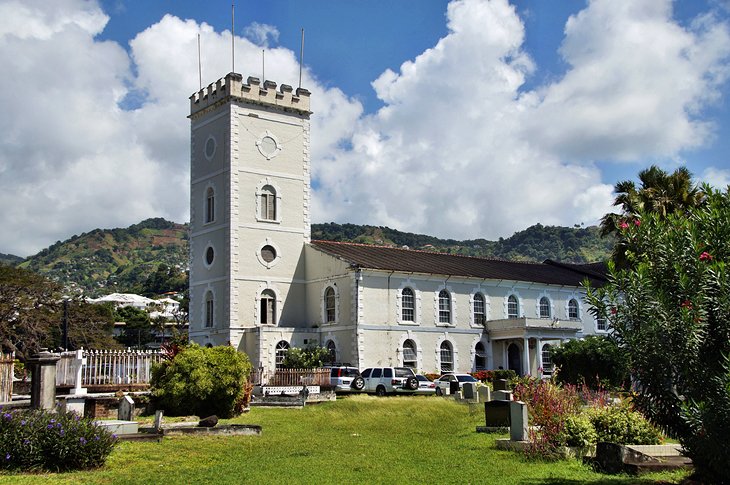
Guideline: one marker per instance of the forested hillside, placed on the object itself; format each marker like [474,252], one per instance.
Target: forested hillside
[152,257]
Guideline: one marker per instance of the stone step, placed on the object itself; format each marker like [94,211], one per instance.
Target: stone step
[119,427]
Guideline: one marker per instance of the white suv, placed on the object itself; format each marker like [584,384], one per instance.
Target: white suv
[387,380]
[346,379]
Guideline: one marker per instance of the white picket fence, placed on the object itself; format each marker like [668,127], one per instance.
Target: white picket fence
[6,376]
[106,367]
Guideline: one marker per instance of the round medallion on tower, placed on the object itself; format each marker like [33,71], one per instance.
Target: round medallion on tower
[269,253]
[269,145]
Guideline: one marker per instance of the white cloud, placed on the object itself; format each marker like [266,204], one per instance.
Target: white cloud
[260,34]
[717,177]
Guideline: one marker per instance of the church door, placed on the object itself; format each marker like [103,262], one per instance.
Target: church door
[513,359]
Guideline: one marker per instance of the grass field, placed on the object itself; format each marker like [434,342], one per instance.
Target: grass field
[358,439]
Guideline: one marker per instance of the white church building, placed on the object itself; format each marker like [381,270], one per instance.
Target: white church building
[258,282]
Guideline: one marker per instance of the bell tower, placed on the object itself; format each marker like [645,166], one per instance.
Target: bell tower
[249,210]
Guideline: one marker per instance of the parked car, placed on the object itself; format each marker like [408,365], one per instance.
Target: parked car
[444,383]
[346,379]
[390,380]
[425,385]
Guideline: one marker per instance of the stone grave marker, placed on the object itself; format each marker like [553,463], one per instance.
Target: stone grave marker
[484,394]
[469,390]
[518,421]
[158,420]
[502,395]
[497,414]
[501,385]
[126,409]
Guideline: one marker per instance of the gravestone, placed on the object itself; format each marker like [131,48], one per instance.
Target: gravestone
[502,395]
[469,390]
[501,385]
[158,420]
[208,422]
[518,421]
[126,409]
[484,394]
[43,379]
[497,414]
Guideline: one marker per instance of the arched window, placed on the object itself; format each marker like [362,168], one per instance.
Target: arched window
[444,307]
[281,349]
[513,307]
[544,307]
[408,306]
[268,308]
[410,357]
[329,305]
[573,309]
[480,316]
[268,203]
[480,357]
[209,205]
[447,357]
[209,310]
[547,363]
[332,351]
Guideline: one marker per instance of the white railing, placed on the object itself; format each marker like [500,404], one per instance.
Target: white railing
[6,376]
[105,367]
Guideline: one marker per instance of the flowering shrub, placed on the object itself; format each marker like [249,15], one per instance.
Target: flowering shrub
[548,406]
[578,431]
[483,375]
[40,440]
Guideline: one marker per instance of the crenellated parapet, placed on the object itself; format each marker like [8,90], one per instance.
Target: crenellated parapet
[232,86]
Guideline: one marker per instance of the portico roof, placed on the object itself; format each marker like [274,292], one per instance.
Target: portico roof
[364,256]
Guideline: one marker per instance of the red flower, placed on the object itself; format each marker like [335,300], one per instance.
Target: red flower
[637,222]
[705,256]
[687,304]
[624,225]
[613,311]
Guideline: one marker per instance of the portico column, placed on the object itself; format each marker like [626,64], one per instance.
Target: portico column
[526,357]
[539,355]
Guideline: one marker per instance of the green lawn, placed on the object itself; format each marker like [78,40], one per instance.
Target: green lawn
[358,439]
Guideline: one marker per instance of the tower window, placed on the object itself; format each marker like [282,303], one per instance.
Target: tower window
[268,308]
[268,253]
[209,255]
[329,305]
[268,203]
[209,310]
[281,349]
[210,205]
[210,147]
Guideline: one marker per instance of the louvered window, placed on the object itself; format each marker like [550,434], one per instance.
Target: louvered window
[408,309]
[268,203]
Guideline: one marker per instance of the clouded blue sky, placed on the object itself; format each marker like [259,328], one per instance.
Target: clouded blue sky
[470,118]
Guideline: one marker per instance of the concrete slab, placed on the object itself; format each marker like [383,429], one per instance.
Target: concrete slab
[119,427]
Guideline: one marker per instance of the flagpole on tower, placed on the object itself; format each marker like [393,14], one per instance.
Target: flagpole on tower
[233,37]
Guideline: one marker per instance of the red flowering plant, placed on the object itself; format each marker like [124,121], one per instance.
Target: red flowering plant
[673,321]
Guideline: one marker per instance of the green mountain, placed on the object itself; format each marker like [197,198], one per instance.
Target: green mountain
[152,257]
[117,260]
[536,243]
[10,259]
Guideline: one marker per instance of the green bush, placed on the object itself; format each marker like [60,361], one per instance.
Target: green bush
[619,424]
[596,361]
[40,440]
[508,374]
[578,431]
[306,358]
[202,381]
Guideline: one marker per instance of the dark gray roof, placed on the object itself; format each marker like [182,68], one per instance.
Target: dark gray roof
[411,261]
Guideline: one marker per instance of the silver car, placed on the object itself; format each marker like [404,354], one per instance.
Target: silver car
[447,382]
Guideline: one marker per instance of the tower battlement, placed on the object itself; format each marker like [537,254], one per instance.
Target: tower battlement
[232,86]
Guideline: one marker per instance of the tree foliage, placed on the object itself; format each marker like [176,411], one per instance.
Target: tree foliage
[669,308]
[596,361]
[137,326]
[202,381]
[306,358]
[659,193]
[31,316]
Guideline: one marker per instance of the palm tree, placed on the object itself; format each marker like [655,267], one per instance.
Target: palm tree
[660,192]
